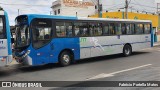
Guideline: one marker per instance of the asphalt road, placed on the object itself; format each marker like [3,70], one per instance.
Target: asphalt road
[141,66]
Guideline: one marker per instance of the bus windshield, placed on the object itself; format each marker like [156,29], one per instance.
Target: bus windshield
[22,36]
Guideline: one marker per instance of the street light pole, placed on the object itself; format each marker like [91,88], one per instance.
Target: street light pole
[18,12]
[98,9]
[126,9]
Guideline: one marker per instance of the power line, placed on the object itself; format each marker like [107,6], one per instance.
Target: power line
[95,3]
[145,9]
[118,5]
[114,5]
[25,5]
[143,5]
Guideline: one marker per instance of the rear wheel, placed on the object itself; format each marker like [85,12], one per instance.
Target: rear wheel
[65,58]
[127,50]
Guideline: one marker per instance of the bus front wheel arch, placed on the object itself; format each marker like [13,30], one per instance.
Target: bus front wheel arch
[66,57]
[127,50]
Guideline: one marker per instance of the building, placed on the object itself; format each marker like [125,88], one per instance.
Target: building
[78,8]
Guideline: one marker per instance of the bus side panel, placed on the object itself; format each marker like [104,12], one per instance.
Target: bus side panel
[100,46]
[61,44]
[50,54]
[8,38]
[3,52]
[107,45]
[139,42]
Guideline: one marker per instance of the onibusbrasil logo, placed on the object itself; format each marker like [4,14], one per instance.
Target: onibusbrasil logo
[21,84]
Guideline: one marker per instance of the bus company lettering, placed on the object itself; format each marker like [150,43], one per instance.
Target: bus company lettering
[82,40]
[1,42]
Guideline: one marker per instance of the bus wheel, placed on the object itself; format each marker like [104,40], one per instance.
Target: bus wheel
[127,50]
[65,58]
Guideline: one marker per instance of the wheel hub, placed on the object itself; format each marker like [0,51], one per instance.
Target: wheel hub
[66,58]
[127,51]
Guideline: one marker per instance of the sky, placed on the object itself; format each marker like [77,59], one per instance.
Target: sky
[25,7]
[135,5]
[44,6]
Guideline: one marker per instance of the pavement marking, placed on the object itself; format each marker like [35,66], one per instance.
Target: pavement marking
[103,75]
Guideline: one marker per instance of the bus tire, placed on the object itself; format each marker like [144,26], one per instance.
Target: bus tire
[127,50]
[65,58]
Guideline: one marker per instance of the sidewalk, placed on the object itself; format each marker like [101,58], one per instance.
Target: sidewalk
[157,44]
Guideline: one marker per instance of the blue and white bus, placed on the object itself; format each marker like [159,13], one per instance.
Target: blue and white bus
[43,39]
[5,39]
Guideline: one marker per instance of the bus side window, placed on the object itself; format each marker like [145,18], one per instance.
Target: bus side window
[69,31]
[41,32]
[106,29]
[139,29]
[123,28]
[60,29]
[1,29]
[76,30]
[81,29]
[132,26]
[95,29]
[118,29]
[129,29]
[112,29]
[147,28]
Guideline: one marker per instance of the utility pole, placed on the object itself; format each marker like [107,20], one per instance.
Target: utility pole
[76,14]
[98,9]
[18,12]
[126,9]
[158,9]
[50,12]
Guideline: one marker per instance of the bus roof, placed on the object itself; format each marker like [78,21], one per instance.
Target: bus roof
[32,16]
[111,19]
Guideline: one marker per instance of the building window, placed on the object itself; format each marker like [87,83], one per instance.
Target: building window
[59,11]
[55,12]
[95,6]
